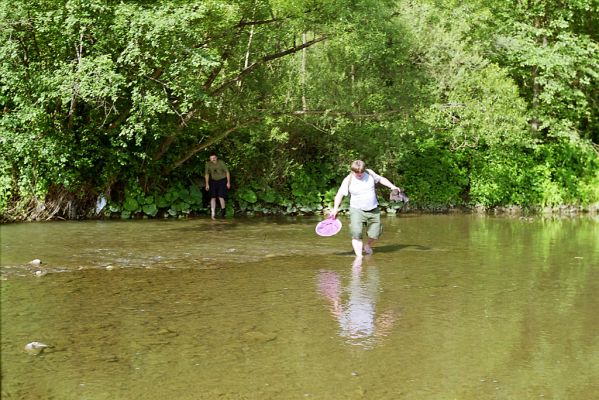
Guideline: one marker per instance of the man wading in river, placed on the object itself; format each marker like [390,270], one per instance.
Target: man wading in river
[363,205]
[218,182]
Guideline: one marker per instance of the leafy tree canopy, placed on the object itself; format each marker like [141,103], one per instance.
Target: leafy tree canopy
[465,104]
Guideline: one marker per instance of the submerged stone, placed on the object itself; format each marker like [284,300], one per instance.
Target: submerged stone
[35,348]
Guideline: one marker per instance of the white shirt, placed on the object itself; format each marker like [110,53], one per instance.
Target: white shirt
[363,195]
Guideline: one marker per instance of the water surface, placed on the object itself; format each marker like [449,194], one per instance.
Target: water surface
[448,307]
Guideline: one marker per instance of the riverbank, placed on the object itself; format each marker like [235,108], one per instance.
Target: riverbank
[389,209]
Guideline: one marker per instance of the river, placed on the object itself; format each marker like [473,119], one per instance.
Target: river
[447,307]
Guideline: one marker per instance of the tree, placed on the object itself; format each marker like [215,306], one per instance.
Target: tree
[98,93]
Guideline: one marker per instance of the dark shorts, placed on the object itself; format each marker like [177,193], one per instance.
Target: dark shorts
[218,188]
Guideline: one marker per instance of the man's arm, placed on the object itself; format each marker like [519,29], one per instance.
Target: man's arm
[338,199]
[386,182]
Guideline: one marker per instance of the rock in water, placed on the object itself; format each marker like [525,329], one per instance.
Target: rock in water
[35,348]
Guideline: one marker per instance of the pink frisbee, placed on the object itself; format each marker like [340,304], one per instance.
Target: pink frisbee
[328,227]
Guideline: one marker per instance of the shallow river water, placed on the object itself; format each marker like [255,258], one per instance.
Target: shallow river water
[448,307]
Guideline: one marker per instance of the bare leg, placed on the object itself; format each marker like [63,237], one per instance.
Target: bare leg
[213,207]
[357,245]
[368,246]
[222,205]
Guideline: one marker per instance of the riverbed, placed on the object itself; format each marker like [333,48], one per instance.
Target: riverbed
[447,307]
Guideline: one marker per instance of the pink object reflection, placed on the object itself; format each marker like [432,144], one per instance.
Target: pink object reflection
[329,284]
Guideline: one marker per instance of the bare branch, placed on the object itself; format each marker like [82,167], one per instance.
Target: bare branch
[266,59]
[375,115]
[215,139]
[167,141]
[203,145]
[124,115]
[242,24]
[73,106]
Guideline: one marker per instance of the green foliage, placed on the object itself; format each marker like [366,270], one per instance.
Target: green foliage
[502,178]
[5,185]
[434,176]
[247,195]
[485,153]
[553,56]
[176,200]
[484,103]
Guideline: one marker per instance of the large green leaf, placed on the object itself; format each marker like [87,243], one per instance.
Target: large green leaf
[131,204]
[195,195]
[247,195]
[150,209]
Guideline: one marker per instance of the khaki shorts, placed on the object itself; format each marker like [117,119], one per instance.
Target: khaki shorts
[358,218]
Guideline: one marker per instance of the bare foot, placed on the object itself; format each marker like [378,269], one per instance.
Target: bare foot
[367,250]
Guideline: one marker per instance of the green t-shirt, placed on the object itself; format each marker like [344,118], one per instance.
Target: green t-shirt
[217,170]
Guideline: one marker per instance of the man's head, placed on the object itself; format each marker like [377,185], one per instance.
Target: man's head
[213,157]
[358,167]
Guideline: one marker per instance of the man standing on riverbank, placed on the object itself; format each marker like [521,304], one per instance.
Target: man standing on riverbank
[218,182]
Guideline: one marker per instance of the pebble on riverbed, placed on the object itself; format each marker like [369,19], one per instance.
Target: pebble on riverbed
[35,348]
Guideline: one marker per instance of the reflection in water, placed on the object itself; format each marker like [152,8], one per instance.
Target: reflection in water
[358,321]
[491,308]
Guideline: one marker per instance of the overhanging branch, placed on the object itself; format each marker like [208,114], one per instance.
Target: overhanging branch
[265,59]
[298,113]
[374,115]
[242,24]
[203,145]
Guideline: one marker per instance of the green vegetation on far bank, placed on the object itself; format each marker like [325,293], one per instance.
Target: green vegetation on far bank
[477,104]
